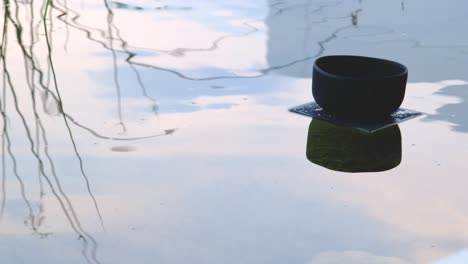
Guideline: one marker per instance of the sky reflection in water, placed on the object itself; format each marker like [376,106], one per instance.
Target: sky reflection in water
[158,132]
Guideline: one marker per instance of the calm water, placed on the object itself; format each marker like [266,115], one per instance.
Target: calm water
[158,132]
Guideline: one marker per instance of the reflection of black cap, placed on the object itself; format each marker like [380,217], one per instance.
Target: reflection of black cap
[350,150]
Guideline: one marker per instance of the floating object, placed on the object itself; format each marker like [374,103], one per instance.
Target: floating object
[356,87]
[313,110]
[350,150]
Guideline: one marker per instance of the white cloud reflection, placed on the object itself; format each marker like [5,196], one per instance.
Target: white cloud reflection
[354,257]
[232,184]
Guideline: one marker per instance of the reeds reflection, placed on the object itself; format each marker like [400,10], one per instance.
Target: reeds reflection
[32,91]
[33,127]
[350,150]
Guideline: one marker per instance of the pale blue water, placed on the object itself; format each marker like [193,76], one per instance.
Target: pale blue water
[175,144]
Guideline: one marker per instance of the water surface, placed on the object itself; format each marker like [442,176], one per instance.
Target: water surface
[158,132]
